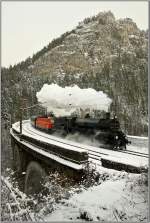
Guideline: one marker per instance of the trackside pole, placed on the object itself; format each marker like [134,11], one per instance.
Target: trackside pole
[23,108]
[21,121]
[21,113]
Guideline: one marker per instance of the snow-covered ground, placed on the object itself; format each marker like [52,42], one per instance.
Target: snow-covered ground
[139,144]
[122,197]
[115,196]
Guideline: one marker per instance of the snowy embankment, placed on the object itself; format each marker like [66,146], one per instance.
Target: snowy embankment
[140,143]
[114,196]
[120,197]
[14,205]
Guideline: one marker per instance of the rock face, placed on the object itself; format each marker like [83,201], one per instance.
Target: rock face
[101,52]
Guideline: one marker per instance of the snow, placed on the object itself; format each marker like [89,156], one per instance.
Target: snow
[14,202]
[107,154]
[113,200]
[97,195]
[63,101]
[86,54]
[139,144]
[138,137]
[115,156]
[28,130]
[133,37]
[49,155]
[139,148]
[116,197]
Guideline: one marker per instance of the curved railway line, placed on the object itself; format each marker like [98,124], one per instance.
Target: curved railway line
[134,153]
[36,152]
[95,155]
[67,152]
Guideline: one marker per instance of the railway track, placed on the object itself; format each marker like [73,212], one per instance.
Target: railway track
[134,153]
[127,160]
[94,155]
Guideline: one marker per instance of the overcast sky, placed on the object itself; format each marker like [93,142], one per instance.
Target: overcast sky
[29,26]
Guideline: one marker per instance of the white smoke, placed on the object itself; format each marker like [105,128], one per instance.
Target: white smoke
[63,101]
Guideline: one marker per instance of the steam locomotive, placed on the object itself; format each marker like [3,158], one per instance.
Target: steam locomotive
[106,130]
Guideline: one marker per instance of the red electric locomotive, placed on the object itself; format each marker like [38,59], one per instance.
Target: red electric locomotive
[43,123]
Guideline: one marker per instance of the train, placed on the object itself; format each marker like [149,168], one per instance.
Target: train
[105,130]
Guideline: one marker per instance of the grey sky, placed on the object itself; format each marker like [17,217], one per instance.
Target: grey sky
[29,26]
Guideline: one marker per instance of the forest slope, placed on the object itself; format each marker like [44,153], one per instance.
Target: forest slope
[102,53]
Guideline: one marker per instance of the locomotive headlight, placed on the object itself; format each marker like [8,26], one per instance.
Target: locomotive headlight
[116,137]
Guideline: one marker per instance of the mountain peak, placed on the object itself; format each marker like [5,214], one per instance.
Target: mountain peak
[101,53]
[105,17]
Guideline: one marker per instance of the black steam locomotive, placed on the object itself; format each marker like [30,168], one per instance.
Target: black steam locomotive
[106,130]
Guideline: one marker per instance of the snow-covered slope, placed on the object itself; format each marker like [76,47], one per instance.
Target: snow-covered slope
[120,198]
[102,53]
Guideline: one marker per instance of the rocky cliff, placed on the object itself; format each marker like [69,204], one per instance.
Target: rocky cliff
[101,52]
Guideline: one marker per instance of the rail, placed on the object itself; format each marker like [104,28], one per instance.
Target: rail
[127,158]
